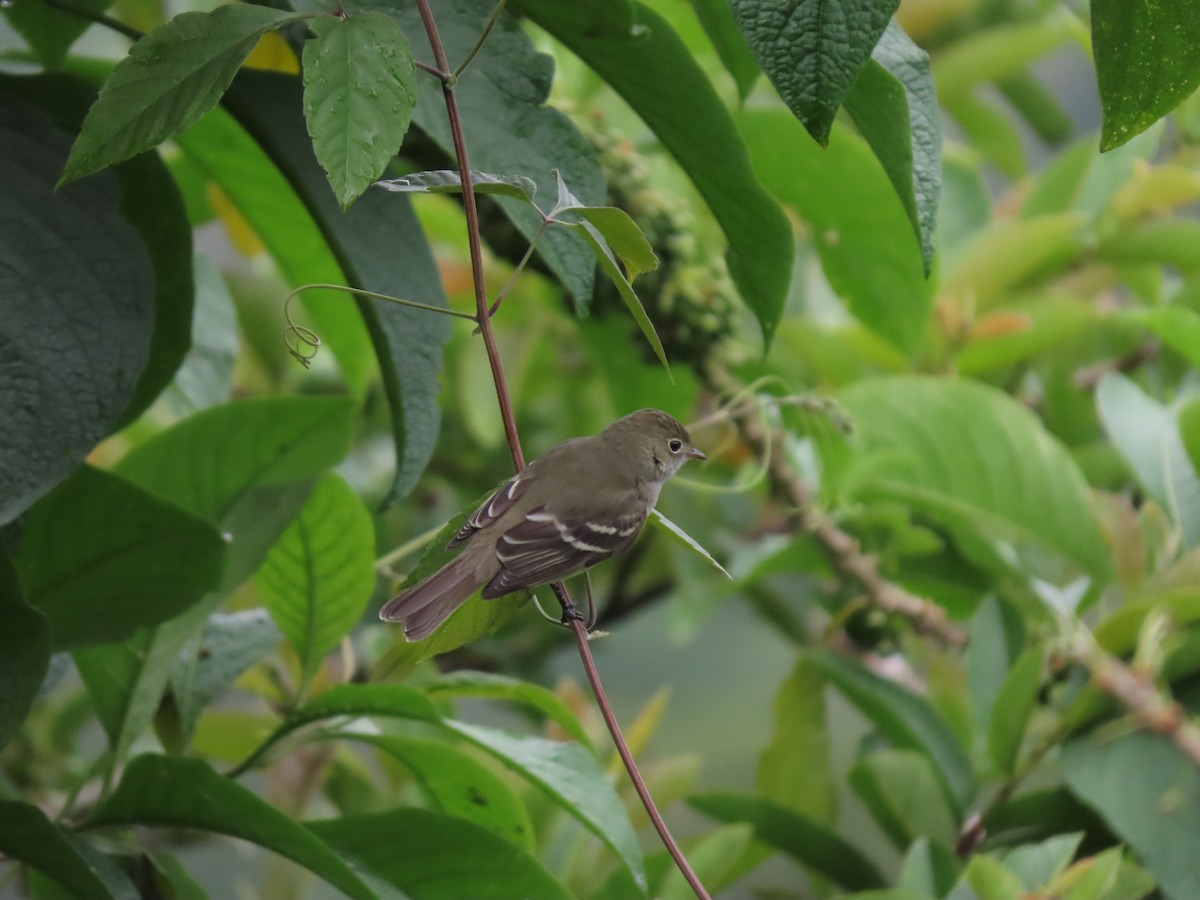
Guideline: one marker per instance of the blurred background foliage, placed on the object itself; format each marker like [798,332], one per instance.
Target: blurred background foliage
[957,492]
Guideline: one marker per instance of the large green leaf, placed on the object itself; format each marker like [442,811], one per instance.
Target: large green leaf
[359,93]
[102,557]
[572,778]
[813,50]
[716,18]
[318,577]
[171,78]
[969,453]
[795,768]
[1147,436]
[654,72]
[455,783]
[433,856]
[270,449]
[1143,786]
[855,216]
[810,843]
[894,105]
[1147,62]
[77,307]
[906,720]
[226,155]
[27,836]
[172,792]
[380,247]
[24,651]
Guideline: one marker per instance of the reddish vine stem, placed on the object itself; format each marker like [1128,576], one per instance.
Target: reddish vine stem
[570,612]
[473,240]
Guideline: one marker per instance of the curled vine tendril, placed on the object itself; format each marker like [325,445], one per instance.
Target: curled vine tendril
[302,342]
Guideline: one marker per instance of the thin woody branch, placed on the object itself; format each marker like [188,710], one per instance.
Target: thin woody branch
[844,553]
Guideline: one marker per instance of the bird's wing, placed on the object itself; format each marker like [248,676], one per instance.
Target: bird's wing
[543,548]
[492,508]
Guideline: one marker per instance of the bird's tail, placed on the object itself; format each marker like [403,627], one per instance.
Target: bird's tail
[427,604]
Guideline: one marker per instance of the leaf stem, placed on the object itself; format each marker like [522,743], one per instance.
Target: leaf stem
[487,30]
[512,279]
[570,613]
[473,239]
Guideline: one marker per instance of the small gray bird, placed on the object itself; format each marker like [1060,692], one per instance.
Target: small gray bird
[575,505]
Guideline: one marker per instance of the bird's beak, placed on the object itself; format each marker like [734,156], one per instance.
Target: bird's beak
[693,453]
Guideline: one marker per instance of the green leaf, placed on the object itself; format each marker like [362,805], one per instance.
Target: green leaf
[716,18]
[810,843]
[986,879]
[572,778]
[173,792]
[962,451]
[1037,865]
[1082,180]
[77,302]
[27,836]
[1189,430]
[97,551]
[24,651]
[171,78]
[1148,437]
[226,155]
[989,131]
[454,783]
[351,700]
[152,204]
[900,788]
[659,78]
[270,449]
[1142,785]
[318,577]
[229,644]
[440,857]
[1176,326]
[991,54]
[407,342]
[714,859]
[928,868]
[490,686]
[685,540]
[1038,106]
[446,181]
[1167,241]
[623,237]
[894,104]
[795,768]
[855,215]
[359,93]
[1147,62]
[813,52]
[1015,702]
[965,207]
[609,266]
[906,720]
[996,638]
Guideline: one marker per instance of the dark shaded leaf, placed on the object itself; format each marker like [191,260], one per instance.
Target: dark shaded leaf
[24,651]
[26,835]
[894,104]
[813,50]
[75,324]
[102,557]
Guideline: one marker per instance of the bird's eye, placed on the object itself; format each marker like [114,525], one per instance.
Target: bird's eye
[675,444]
